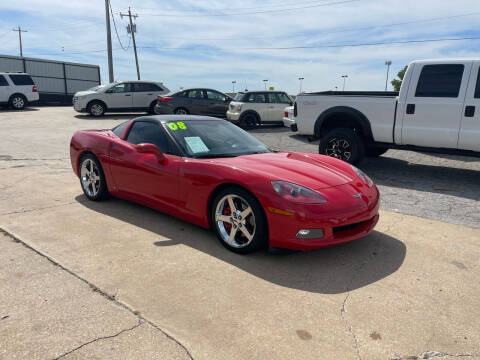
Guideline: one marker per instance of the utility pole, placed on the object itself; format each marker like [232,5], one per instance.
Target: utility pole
[109,42]
[344,79]
[132,29]
[19,29]
[388,63]
[265,82]
[233,86]
[301,79]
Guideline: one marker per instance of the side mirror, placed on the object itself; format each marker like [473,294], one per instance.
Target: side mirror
[146,148]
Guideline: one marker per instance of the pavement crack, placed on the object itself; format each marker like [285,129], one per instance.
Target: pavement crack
[430,354]
[40,208]
[140,322]
[95,288]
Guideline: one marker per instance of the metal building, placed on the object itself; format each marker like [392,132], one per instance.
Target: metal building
[57,81]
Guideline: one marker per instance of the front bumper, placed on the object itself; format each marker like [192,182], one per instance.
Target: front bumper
[79,106]
[345,218]
[233,116]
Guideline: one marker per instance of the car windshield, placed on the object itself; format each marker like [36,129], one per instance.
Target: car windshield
[213,138]
[239,96]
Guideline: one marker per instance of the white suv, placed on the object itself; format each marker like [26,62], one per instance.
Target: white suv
[119,96]
[252,108]
[17,90]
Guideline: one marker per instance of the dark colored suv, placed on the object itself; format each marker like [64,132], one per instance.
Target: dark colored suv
[195,102]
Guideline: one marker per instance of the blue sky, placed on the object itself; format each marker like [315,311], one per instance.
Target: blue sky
[186,43]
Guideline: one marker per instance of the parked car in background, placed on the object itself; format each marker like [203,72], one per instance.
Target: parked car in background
[436,110]
[17,90]
[252,108]
[119,97]
[194,101]
[288,118]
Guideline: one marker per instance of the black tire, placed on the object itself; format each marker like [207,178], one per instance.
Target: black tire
[96,108]
[151,109]
[344,144]
[375,152]
[17,102]
[254,223]
[102,191]
[249,121]
[181,111]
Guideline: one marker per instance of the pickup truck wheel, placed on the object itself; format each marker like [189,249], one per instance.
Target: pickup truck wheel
[375,152]
[343,144]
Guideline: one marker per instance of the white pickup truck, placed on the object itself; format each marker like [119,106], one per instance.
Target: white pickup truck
[437,110]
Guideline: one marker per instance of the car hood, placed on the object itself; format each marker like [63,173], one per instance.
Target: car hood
[86,92]
[310,170]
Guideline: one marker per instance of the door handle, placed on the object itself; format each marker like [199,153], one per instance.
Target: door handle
[410,108]
[469,111]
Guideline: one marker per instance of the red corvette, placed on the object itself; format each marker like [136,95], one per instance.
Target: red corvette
[212,173]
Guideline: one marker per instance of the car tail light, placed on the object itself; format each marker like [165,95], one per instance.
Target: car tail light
[164,99]
[34,88]
[285,114]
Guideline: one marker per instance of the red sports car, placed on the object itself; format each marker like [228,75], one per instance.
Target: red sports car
[211,173]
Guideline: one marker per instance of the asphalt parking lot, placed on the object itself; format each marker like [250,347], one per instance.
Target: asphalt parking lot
[118,280]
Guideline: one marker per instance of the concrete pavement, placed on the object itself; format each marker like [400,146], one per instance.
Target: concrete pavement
[409,290]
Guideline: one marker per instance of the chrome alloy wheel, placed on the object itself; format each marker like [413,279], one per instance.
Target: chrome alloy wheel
[181,112]
[18,102]
[339,148]
[90,176]
[235,221]
[97,109]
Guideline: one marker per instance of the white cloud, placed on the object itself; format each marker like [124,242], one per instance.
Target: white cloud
[80,26]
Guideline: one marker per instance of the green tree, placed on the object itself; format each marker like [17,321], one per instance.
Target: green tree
[396,83]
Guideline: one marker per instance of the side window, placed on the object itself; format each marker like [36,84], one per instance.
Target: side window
[120,88]
[213,95]
[143,87]
[284,99]
[272,98]
[477,87]
[440,81]
[259,98]
[3,81]
[181,94]
[146,132]
[117,130]
[195,94]
[22,79]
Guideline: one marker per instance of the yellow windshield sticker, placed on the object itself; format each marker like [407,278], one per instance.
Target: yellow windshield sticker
[178,125]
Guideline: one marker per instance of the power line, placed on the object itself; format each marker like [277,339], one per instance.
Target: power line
[254,12]
[334,31]
[116,32]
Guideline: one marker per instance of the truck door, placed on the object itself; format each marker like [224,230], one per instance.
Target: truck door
[469,137]
[434,104]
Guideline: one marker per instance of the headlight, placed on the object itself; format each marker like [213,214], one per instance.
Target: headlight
[82,97]
[297,193]
[235,107]
[366,179]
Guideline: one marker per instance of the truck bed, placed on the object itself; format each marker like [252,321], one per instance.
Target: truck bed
[356,93]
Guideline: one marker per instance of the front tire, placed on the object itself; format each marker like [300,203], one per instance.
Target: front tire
[18,102]
[343,144]
[92,178]
[238,221]
[249,121]
[96,108]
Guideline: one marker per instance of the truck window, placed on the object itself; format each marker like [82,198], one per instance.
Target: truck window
[440,81]
[477,87]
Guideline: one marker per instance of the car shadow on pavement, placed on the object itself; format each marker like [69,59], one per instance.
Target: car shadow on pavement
[398,173]
[331,270]
[115,116]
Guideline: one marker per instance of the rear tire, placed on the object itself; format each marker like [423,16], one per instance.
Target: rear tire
[343,144]
[18,102]
[92,178]
[249,121]
[96,108]
[180,111]
[151,109]
[246,220]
